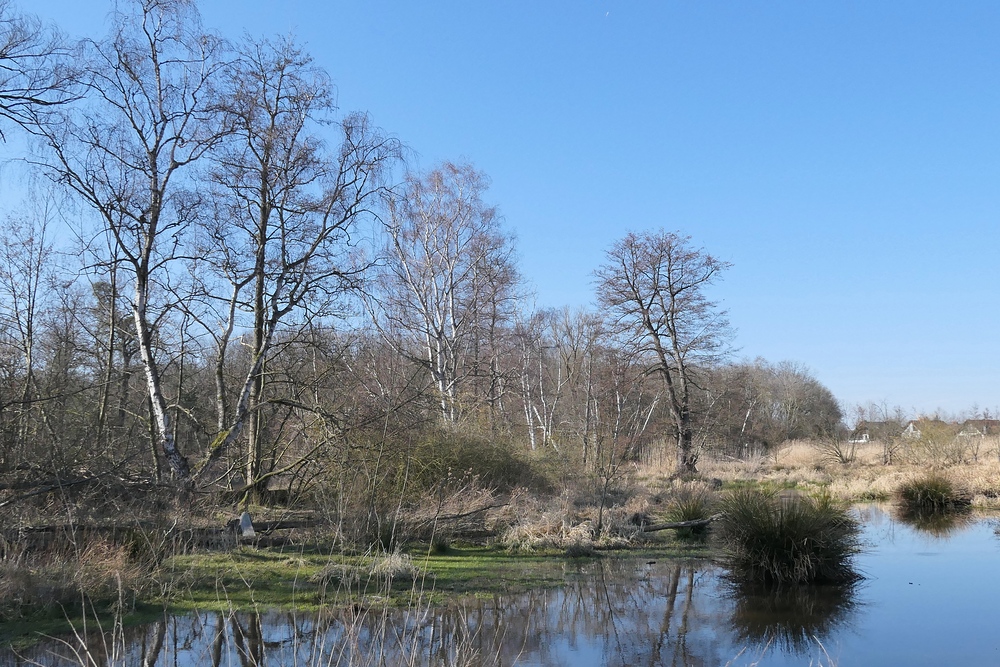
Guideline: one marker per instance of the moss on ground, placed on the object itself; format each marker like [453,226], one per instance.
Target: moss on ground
[254,578]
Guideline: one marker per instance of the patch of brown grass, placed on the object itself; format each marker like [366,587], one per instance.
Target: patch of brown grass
[569,523]
[99,572]
[804,464]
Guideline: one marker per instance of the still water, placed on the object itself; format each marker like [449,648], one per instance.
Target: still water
[931,596]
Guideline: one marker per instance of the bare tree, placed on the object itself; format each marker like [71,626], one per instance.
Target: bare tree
[623,409]
[653,286]
[149,113]
[32,71]
[286,208]
[26,255]
[448,280]
[557,349]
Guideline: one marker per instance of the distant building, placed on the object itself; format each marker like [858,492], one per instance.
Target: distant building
[918,428]
[979,428]
[869,431]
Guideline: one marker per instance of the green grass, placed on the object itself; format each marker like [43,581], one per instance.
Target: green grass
[772,541]
[250,578]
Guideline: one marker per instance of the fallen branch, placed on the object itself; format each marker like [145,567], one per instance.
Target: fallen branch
[48,489]
[693,523]
[455,517]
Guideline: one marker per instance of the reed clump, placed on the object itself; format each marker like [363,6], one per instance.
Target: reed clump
[692,501]
[932,493]
[772,540]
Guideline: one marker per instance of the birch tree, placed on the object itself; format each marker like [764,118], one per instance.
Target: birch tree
[287,205]
[447,280]
[148,114]
[33,71]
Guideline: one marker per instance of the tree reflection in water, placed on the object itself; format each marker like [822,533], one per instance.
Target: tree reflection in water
[610,612]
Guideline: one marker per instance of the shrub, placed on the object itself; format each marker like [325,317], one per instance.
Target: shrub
[837,450]
[933,493]
[451,458]
[772,540]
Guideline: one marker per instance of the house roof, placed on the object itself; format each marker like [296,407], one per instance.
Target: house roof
[930,427]
[876,429]
[980,427]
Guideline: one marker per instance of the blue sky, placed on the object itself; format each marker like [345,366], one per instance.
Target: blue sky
[843,156]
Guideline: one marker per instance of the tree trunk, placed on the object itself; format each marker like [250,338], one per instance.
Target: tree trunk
[178,464]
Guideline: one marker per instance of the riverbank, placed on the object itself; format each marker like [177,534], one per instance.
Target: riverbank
[309,579]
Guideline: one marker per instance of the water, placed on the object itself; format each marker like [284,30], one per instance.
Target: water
[931,597]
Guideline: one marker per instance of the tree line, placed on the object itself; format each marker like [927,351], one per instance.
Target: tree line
[259,291]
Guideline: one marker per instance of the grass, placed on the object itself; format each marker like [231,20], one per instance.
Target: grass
[691,501]
[803,466]
[39,588]
[933,492]
[773,541]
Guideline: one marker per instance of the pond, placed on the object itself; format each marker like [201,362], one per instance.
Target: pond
[931,597]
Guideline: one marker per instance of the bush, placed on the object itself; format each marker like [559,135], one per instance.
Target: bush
[837,450]
[933,493]
[448,457]
[774,541]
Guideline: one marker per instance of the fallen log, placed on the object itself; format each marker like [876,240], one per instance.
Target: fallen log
[268,526]
[675,525]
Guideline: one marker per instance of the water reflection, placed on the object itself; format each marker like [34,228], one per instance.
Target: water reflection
[937,523]
[793,618]
[610,612]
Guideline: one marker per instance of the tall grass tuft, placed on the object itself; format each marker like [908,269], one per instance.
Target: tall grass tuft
[692,501]
[772,541]
[932,493]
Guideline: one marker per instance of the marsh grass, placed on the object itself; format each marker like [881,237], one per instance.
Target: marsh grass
[96,573]
[773,541]
[802,465]
[568,524]
[691,501]
[932,493]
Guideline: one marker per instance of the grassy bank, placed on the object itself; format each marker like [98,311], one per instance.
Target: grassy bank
[808,467]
